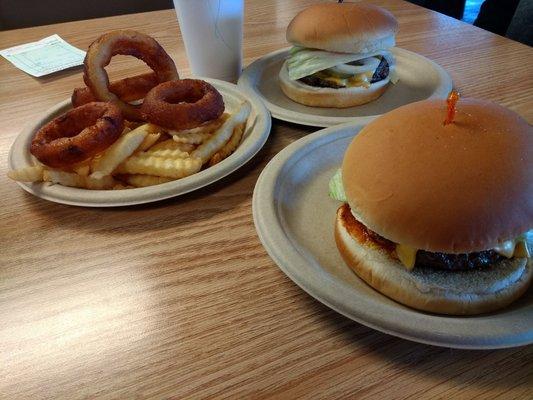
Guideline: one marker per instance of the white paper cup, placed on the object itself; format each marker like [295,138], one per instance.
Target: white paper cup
[212,32]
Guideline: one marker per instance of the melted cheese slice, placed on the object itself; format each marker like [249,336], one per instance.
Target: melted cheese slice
[407,255]
[353,81]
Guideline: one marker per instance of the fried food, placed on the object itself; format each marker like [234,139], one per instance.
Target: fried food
[172,145]
[125,42]
[149,140]
[165,167]
[127,89]
[78,181]
[206,128]
[206,150]
[191,138]
[27,174]
[145,180]
[176,153]
[111,144]
[229,147]
[77,135]
[182,104]
[120,150]
[83,168]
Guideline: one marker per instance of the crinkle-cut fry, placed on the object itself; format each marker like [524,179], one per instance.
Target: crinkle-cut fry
[149,141]
[229,147]
[172,145]
[139,180]
[167,167]
[191,138]
[27,174]
[124,147]
[208,127]
[176,153]
[75,180]
[206,150]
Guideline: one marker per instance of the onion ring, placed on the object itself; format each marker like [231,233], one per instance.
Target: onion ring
[129,43]
[77,135]
[127,89]
[182,104]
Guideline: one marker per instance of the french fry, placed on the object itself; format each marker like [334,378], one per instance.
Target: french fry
[166,167]
[191,138]
[132,124]
[172,145]
[199,134]
[75,180]
[176,153]
[27,174]
[149,141]
[208,127]
[120,150]
[145,180]
[83,168]
[229,147]
[206,150]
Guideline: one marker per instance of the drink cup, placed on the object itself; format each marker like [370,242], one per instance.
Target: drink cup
[212,32]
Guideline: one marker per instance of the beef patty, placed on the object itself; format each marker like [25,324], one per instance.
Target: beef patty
[381,72]
[424,259]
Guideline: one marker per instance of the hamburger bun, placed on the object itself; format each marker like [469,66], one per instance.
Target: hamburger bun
[443,292]
[457,188]
[343,27]
[328,97]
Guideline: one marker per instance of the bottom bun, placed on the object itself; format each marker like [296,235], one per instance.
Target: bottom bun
[443,292]
[329,97]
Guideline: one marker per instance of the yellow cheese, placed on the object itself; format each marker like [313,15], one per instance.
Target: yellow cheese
[353,81]
[407,255]
[521,250]
[360,80]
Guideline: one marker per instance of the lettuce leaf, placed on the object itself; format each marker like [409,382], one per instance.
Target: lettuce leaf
[304,62]
[336,190]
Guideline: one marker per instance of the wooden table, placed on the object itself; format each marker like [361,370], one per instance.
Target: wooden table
[178,298]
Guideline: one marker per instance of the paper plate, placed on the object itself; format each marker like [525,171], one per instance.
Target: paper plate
[257,131]
[420,79]
[294,218]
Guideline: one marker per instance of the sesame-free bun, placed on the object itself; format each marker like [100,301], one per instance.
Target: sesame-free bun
[456,188]
[343,27]
[328,97]
[443,292]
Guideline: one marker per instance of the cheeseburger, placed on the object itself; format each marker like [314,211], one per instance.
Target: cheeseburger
[340,56]
[438,216]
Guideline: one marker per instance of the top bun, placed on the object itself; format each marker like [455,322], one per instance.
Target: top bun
[455,188]
[343,27]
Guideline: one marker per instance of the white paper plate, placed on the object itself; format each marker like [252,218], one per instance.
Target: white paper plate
[420,79]
[294,218]
[257,131]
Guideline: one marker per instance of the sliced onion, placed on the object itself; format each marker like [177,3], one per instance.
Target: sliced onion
[368,64]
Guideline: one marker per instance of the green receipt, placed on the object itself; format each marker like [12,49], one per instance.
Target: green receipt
[44,57]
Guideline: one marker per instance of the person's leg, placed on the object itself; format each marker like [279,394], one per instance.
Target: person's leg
[495,15]
[521,27]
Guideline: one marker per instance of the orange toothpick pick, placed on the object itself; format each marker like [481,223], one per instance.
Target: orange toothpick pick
[451,101]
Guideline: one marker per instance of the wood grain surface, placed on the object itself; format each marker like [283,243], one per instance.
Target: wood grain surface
[178,299]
